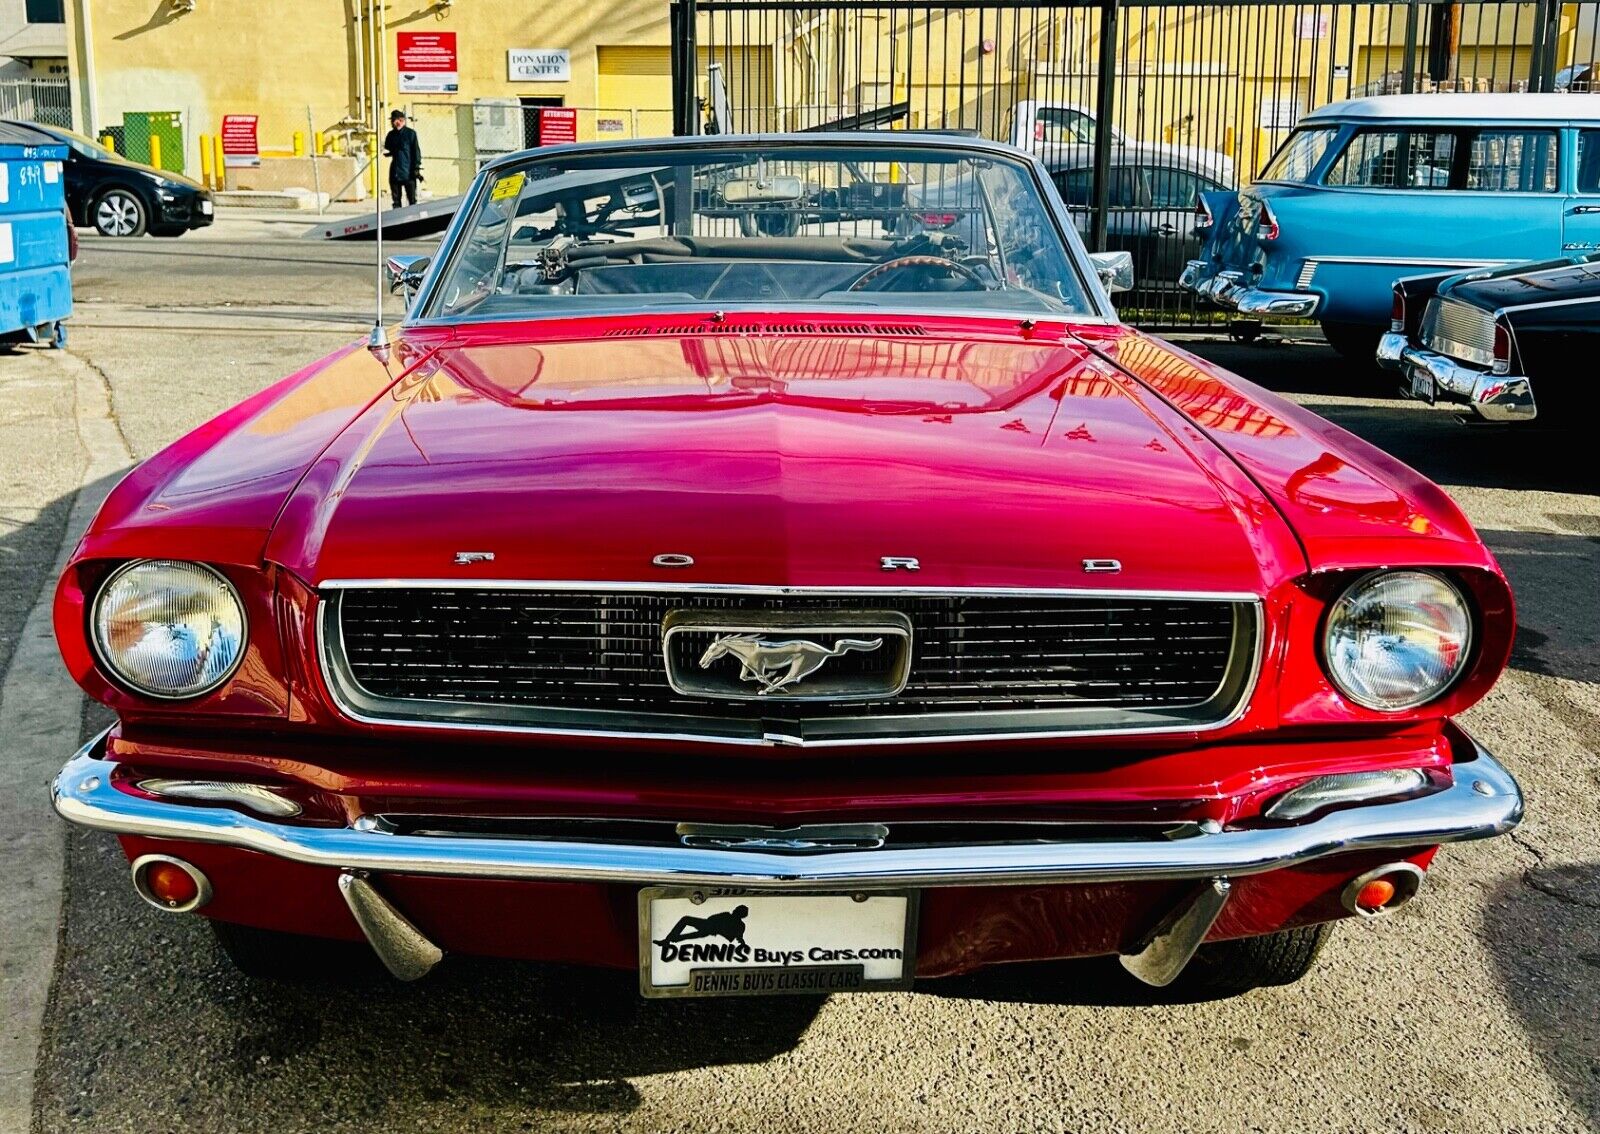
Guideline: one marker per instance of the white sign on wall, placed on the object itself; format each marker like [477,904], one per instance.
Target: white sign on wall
[1280,115]
[538,65]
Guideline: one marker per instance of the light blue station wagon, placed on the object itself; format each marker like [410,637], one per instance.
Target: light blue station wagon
[1371,190]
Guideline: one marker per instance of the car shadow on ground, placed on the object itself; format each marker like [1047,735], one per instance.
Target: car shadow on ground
[1543,932]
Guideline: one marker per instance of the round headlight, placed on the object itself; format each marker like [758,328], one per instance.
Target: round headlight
[1397,639]
[169,629]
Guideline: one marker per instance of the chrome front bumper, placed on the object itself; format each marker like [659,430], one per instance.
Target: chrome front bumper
[1227,290]
[1433,377]
[1483,800]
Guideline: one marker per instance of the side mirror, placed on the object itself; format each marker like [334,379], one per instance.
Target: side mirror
[405,273]
[1115,270]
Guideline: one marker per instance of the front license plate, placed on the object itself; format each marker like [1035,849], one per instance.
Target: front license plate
[728,942]
[205,208]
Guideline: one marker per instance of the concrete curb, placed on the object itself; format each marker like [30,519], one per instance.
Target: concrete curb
[40,714]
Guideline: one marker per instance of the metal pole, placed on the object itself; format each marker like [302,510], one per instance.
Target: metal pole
[1408,77]
[316,173]
[1542,65]
[361,62]
[1105,113]
[685,60]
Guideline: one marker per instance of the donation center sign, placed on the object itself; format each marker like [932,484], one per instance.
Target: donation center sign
[538,65]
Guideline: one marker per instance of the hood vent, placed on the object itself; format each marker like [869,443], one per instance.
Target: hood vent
[874,329]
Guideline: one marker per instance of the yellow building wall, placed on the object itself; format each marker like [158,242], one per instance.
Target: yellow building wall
[294,62]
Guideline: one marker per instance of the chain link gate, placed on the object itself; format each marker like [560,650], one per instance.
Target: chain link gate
[1197,95]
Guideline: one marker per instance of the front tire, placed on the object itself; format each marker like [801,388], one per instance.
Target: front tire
[1228,968]
[1356,342]
[267,954]
[119,212]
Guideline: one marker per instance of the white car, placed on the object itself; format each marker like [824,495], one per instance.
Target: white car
[1048,128]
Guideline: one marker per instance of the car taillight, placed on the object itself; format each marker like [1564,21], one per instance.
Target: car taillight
[1267,226]
[938,220]
[1502,348]
[1397,312]
[1202,215]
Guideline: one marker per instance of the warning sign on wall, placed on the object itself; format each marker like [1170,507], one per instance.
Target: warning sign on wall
[557,124]
[239,144]
[427,62]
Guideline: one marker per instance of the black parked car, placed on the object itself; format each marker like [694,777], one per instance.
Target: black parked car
[1509,343]
[119,197]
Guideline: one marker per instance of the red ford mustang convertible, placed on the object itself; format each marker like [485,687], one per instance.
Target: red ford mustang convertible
[768,565]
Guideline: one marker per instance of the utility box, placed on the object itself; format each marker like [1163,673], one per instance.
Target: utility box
[139,126]
[35,280]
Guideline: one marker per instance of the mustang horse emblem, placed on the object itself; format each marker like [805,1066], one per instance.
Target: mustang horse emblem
[776,665]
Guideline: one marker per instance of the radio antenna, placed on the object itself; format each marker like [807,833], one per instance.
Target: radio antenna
[378,340]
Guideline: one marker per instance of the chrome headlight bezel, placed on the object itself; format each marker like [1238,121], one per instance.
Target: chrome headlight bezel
[107,658]
[1345,600]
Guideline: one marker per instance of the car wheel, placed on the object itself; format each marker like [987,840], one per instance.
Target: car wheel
[119,212]
[1227,968]
[267,954]
[1354,341]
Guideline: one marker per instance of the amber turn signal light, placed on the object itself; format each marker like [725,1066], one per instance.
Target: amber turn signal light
[1383,890]
[170,884]
[1375,894]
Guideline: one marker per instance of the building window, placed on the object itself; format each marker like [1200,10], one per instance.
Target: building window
[46,11]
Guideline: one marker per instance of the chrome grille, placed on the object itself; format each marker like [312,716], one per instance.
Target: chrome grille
[1459,330]
[592,661]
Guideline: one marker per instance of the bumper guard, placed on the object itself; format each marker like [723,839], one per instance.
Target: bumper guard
[1228,291]
[1433,377]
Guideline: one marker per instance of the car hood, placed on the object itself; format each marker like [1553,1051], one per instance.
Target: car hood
[789,459]
[1580,280]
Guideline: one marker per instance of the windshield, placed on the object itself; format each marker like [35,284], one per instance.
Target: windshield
[902,226]
[85,146]
[1299,155]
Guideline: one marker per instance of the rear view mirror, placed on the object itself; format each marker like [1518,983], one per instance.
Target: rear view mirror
[1115,270]
[763,190]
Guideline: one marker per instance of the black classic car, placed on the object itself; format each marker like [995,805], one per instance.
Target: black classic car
[1501,341]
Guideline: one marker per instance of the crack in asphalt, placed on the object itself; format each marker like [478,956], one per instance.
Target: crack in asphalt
[111,398]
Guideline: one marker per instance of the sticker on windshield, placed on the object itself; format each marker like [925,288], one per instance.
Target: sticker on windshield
[508,186]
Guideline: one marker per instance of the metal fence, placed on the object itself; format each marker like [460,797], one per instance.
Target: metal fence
[1196,95]
[45,101]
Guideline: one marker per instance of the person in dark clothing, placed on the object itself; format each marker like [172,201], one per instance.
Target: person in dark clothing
[400,146]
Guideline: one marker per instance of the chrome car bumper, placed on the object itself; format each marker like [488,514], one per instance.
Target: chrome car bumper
[1483,800]
[1433,377]
[1227,290]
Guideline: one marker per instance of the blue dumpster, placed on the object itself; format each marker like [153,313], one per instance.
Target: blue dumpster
[35,283]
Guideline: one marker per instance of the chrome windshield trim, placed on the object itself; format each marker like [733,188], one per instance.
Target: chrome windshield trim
[669,728]
[1071,241]
[1482,801]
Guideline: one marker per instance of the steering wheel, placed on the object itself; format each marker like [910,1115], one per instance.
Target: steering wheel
[900,263]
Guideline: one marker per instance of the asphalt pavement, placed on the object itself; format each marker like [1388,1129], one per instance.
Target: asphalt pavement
[1476,1008]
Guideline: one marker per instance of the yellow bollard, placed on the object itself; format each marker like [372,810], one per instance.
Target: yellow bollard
[319,143]
[1166,134]
[108,142]
[221,162]
[299,143]
[1227,141]
[155,151]
[205,160]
